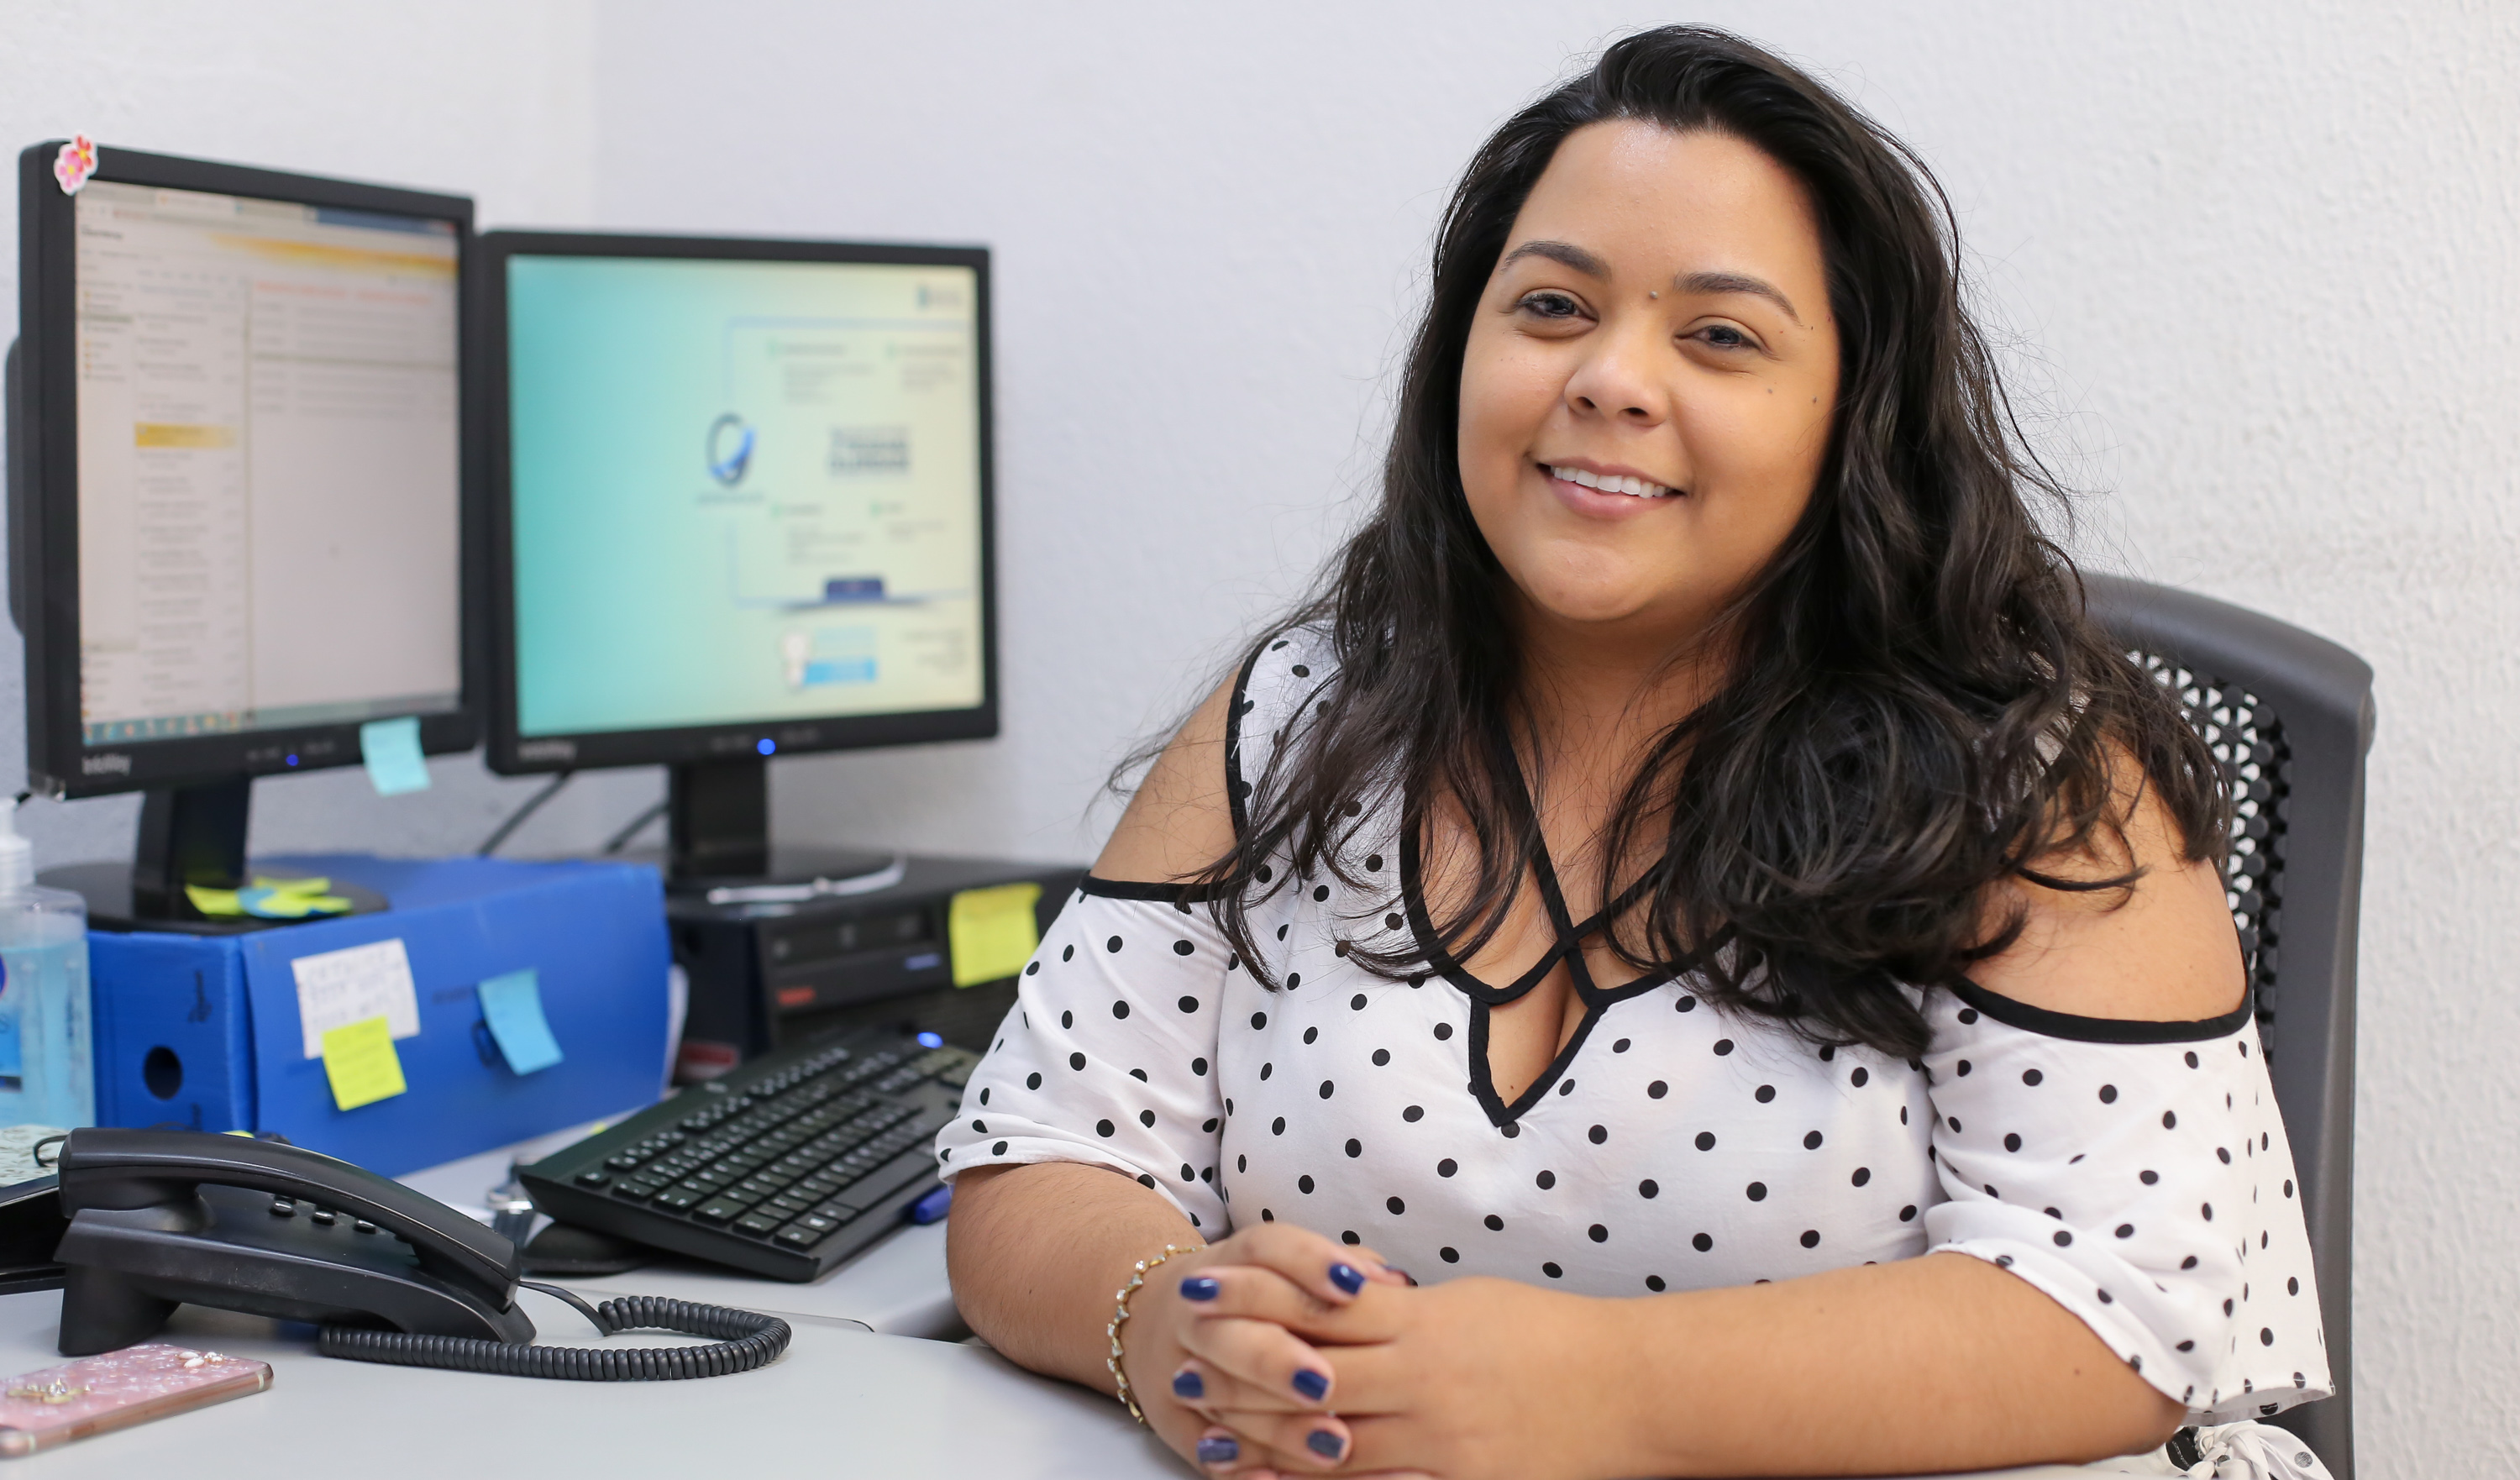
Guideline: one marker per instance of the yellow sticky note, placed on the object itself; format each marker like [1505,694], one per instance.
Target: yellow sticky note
[991,932]
[359,1059]
[216,903]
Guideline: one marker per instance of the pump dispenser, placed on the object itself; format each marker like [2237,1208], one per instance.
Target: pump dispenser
[47,1050]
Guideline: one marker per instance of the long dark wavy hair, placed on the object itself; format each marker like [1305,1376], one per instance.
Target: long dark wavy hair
[1916,705]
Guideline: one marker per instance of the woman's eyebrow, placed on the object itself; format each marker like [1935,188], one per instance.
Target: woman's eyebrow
[1563,253]
[1734,281]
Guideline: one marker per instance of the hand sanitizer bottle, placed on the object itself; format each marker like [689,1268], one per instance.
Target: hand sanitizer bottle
[47,1050]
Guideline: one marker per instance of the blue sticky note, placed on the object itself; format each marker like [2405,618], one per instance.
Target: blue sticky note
[391,749]
[513,1005]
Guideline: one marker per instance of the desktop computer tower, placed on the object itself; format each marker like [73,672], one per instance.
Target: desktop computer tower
[765,976]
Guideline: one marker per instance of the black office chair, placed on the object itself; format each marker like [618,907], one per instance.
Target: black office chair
[2290,715]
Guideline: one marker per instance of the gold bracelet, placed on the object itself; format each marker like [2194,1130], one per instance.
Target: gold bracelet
[1120,1318]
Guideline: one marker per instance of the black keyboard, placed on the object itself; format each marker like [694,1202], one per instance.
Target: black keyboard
[784,1167]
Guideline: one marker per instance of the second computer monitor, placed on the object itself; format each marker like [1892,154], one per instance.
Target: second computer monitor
[740,498]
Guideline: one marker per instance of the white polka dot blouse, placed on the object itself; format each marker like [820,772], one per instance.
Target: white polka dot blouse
[2137,1173]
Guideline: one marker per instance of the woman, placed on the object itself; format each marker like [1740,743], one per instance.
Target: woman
[1695,889]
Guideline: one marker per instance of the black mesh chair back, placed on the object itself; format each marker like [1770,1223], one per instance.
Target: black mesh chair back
[2290,716]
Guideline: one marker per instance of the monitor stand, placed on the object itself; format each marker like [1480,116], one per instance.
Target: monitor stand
[188,835]
[717,822]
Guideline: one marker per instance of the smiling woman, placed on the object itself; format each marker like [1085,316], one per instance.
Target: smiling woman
[1694,885]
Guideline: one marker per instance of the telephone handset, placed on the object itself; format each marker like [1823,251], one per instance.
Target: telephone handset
[158,1218]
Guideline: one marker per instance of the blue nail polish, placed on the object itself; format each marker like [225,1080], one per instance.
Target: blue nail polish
[1325,1444]
[1347,1277]
[1219,1450]
[1189,1385]
[1313,1385]
[1200,1288]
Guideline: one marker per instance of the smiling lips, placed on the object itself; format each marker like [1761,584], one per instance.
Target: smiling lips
[1633,487]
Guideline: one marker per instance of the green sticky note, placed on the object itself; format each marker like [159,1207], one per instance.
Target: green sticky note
[218,904]
[511,1004]
[391,749]
[359,1059]
[992,933]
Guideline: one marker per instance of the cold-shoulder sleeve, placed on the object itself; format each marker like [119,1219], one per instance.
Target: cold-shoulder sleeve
[2137,1174]
[1108,1056]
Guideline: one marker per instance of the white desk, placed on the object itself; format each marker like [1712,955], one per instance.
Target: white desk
[842,1401]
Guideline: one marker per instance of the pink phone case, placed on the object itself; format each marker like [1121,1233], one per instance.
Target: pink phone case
[55,1405]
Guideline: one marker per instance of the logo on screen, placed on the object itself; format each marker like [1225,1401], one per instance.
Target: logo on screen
[730,449]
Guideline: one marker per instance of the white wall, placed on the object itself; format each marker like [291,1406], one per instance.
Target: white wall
[2259,258]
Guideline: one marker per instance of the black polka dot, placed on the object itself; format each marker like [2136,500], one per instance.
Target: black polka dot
[2187,1262]
[1552,1270]
[1067,1020]
[1145,1179]
[1545,1181]
[2126,1231]
[1811,1238]
[1033,969]
[1267,1216]
[1701,1243]
[1443,1030]
[1259,1020]
[1312,1035]
[1447,1167]
[2108,1094]
[1597,1234]
[1907,1214]
[2170,1120]
[1649,1189]
[1140,1075]
[1860,1077]
[1963,1068]
[999,1149]
[2192,1060]
[1767,1094]
[1723,1045]
[1566,1088]
[1903,1115]
[1076,1062]
[1243,1163]
[2292,1287]
[1355,1148]
[1968,1014]
[1414,1114]
[1266,1069]
[1103,1128]
[1597,1135]
[2147,1176]
[1396,1206]
[1954,1121]
[2063,1238]
[1653,1283]
[1147,1118]
[2208,1210]
[1032,1081]
[1657,1089]
[1112,945]
[1382,1057]
[1685,1004]
[1326,1088]
[1862,1176]
[1320,892]
[1301,671]
[1621,1047]
[1277,1127]
[1119,1009]
[2031,1077]
[1069,954]
[1811,1142]
[1198,1066]
[1348,1236]
[2265,1336]
[1706,1141]
[1304,1183]
[984,1096]
[1373,862]
[1294,979]
[1494,1223]
[1758,1191]
[2011,1141]
[1449,1254]
[2225,1153]
[1509,1129]
[1391,922]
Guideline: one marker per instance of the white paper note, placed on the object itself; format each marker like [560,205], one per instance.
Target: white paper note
[342,987]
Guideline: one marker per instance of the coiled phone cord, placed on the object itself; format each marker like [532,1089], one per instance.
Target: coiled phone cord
[747,1340]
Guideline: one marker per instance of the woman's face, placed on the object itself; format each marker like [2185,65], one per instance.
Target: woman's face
[1648,387]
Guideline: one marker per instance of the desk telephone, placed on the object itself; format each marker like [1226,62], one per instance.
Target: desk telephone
[157,1218]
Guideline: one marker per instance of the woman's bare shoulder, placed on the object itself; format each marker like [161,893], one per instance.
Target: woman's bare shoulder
[1181,819]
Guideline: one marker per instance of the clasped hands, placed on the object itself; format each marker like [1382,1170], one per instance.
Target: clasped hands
[1277,1350]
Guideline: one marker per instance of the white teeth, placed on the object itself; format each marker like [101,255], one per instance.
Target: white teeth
[1635,488]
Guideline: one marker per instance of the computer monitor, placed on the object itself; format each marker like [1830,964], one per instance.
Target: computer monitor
[739,507]
[237,488]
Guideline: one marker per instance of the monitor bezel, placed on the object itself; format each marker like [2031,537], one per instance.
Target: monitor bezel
[506,749]
[43,534]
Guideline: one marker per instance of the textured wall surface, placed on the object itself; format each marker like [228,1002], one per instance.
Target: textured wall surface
[2256,260]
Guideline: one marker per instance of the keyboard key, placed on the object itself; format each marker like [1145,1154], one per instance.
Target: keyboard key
[759,1224]
[680,1197]
[797,1237]
[720,1209]
[622,1161]
[592,1179]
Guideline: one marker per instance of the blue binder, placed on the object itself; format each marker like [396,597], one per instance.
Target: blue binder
[204,1031]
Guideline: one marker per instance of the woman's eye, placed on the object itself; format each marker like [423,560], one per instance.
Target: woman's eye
[1726,337]
[1552,305]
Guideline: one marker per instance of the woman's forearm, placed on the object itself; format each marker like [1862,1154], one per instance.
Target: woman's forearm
[1944,1363]
[1035,1253]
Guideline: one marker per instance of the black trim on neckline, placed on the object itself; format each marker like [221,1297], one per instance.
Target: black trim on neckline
[2066,1025]
[1169,895]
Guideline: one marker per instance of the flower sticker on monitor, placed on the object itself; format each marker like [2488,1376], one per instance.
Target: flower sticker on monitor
[74,164]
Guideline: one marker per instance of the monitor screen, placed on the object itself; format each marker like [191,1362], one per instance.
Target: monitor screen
[741,492]
[268,475]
